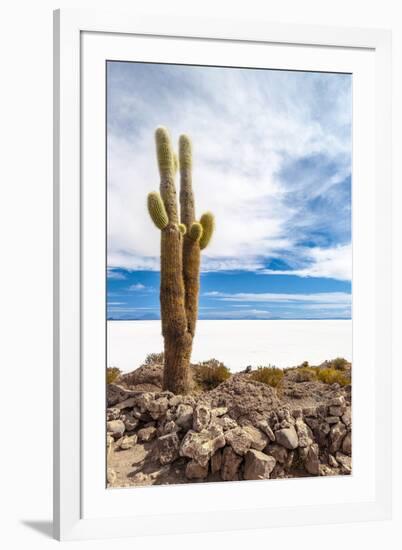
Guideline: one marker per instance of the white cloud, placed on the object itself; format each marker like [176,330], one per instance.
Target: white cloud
[335,263]
[326,298]
[139,287]
[244,131]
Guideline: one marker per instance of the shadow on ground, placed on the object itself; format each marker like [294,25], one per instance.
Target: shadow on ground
[43,527]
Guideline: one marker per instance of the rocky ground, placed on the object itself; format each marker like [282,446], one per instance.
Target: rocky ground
[242,429]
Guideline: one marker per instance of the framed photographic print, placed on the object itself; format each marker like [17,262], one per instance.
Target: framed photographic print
[222,278]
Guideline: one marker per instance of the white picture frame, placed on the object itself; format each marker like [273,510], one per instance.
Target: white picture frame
[83,508]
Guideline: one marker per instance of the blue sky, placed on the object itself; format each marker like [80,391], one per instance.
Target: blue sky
[272,160]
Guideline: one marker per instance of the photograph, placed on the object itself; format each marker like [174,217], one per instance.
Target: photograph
[228,274]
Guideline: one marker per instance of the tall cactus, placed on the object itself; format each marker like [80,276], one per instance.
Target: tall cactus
[181,243]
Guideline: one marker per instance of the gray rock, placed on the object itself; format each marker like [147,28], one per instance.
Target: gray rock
[184,416]
[239,440]
[230,464]
[313,423]
[216,462]
[266,428]
[201,418]
[158,407]
[219,411]
[258,465]
[113,413]
[305,437]
[169,427]
[127,442]
[116,428]
[278,452]
[336,435]
[200,446]
[347,444]
[347,417]
[258,439]
[335,411]
[332,419]
[126,404]
[345,462]
[146,434]
[195,470]
[332,462]
[312,462]
[130,422]
[168,448]
[226,423]
[287,437]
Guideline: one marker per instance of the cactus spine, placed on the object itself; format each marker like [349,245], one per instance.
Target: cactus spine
[181,244]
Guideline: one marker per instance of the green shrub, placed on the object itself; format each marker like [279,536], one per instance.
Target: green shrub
[154,359]
[339,363]
[268,375]
[209,374]
[304,374]
[332,376]
[112,373]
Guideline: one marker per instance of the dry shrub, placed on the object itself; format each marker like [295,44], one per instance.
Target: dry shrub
[332,376]
[112,373]
[154,359]
[209,374]
[304,374]
[339,363]
[272,376]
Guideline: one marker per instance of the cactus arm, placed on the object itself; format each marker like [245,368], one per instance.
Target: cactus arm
[195,232]
[182,228]
[166,164]
[157,210]
[208,225]
[191,248]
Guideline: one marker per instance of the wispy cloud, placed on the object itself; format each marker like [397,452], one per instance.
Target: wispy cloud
[323,298]
[272,159]
[139,287]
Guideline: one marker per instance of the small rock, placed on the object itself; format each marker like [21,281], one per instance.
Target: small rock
[310,411]
[195,470]
[126,404]
[305,437]
[278,452]
[287,437]
[336,435]
[201,418]
[313,423]
[332,462]
[168,448]
[127,442]
[184,416]
[146,434]
[312,462]
[345,462]
[200,446]
[219,411]
[130,423]
[113,414]
[158,407]
[116,428]
[347,444]
[230,464]
[338,401]
[226,423]
[335,411]
[169,427]
[239,440]
[109,444]
[258,439]
[266,428]
[258,465]
[144,401]
[347,417]
[216,462]
[325,470]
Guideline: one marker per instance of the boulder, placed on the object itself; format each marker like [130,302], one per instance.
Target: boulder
[116,428]
[201,418]
[200,446]
[347,444]
[146,434]
[168,448]
[258,465]
[230,464]
[304,434]
[195,470]
[336,435]
[258,439]
[184,416]
[266,428]
[312,462]
[239,440]
[144,400]
[345,462]
[216,462]
[287,437]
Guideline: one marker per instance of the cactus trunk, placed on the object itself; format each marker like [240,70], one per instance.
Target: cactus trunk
[180,260]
